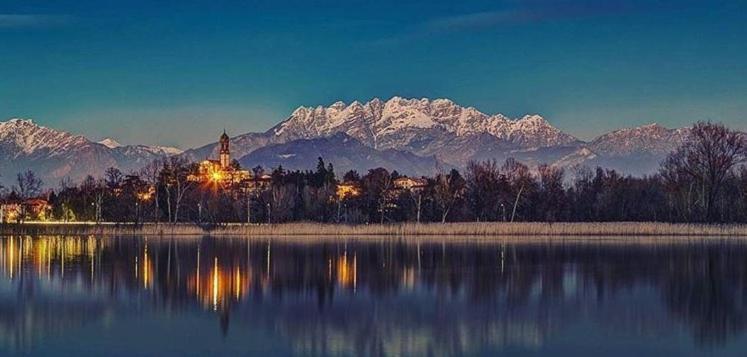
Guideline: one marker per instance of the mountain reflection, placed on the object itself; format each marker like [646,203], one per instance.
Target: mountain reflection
[377,298]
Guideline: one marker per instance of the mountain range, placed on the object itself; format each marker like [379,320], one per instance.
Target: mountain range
[54,155]
[412,136]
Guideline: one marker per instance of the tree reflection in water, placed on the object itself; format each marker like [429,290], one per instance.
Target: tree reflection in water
[388,297]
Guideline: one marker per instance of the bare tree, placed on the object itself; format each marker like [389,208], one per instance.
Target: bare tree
[709,156]
[483,184]
[417,198]
[680,190]
[175,174]
[151,174]
[113,178]
[447,191]
[99,192]
[282,200]
[64,199]
[552,191]
[519,178]
[28,185]
[377,184]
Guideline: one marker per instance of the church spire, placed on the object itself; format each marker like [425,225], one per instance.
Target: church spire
[225,152]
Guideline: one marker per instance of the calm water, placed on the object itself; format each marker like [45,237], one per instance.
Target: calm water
[136,296]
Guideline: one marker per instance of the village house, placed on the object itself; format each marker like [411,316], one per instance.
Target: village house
[348,189]
[408,183]
[401,185]
[35,209]
[259,182]
[10,212]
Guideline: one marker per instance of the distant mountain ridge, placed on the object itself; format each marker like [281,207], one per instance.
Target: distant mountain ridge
[419,136]
[158,150]
[344,152]
[55,155]
[454,135]
[396,123]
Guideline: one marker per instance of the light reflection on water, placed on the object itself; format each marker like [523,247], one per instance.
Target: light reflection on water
[163,296]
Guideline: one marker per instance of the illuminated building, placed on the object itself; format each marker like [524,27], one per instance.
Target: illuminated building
[402,185]
[10,212]
[407,183]
[225,152]
[348,189]
[221,171]
[35,209]
[146,194]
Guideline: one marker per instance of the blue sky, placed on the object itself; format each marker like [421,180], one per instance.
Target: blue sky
[177,72]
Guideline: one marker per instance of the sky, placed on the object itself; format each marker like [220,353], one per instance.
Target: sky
[177,72]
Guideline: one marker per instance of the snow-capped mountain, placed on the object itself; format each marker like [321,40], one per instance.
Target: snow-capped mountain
[22,137]
[398,123]
[439,128]
[110,143]
[164,150]
[410,135]
[454,135]
[650,139]
[54,154]
[636,151]
[577,158]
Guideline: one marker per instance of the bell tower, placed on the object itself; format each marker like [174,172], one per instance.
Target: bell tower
[225,153]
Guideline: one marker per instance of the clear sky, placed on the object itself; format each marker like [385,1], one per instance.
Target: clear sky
[176,72]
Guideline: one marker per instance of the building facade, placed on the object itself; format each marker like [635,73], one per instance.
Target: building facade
[221,171]
[36,209]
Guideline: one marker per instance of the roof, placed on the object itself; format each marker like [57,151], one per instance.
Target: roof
[419,181]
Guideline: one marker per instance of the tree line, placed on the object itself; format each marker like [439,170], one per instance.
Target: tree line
[704,180]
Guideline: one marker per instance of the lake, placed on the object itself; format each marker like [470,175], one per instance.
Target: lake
[228,296]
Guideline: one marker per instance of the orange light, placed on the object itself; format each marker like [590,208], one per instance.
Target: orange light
[216,176]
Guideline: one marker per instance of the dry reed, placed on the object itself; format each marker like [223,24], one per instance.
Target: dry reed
[473,229]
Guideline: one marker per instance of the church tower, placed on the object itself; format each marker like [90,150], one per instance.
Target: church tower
[225,153]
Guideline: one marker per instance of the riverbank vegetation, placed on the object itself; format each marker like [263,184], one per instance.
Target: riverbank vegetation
[463,229]
[704,181]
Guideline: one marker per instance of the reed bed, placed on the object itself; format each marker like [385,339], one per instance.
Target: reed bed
[473,229]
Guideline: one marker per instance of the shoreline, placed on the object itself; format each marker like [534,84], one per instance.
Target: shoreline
[469,229]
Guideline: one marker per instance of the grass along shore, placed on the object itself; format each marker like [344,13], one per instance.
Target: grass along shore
[465,229]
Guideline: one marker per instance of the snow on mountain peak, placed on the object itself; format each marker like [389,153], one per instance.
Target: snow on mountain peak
[533,119]
[168,150]
[26,137]
[396,122]
[20,121]
[145,150]
[339,105]
[650,138]
[110,143]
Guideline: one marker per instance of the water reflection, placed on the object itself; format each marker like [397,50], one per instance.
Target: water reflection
[378,298]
